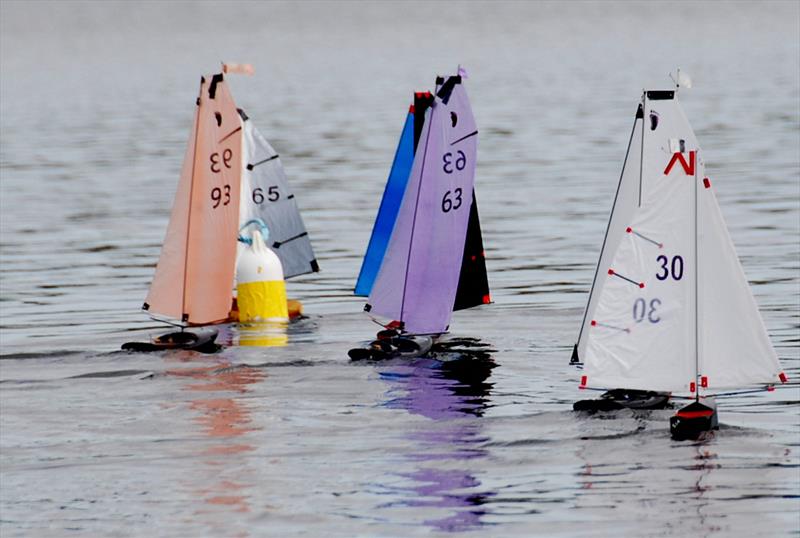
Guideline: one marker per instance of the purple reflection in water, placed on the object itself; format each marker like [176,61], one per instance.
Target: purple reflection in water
[453,394]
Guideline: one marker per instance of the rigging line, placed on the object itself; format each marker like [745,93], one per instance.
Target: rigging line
[464,138]
[637,234]
[414,219]
[641,153]
[189,213]
[608,226]
[268,159]
[614,273]
[277,244]
[607,326]
[227,136]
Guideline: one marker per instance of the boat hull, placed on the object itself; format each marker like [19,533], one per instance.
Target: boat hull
[202,340]
[624,399]
[692,421]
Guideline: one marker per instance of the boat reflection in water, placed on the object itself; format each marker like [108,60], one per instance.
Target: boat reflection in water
[225,421]
[452,390]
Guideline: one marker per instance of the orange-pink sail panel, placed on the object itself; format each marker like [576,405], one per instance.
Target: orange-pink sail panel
[195,272]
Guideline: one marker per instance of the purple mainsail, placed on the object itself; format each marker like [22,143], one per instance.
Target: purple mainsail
[419,275]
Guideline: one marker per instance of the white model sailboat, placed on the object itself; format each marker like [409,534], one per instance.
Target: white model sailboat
[670,309]
[265,195]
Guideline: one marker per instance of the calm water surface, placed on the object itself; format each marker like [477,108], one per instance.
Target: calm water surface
[96,102]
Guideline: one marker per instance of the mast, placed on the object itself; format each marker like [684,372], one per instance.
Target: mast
[696,287]
[184,314]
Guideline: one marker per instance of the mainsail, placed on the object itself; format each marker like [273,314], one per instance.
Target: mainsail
[390,206]
[192,282]
[473,282]
[670,309]
[419,276]
[266,195]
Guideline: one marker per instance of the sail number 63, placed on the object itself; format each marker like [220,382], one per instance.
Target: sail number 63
[460,161]
[451,204]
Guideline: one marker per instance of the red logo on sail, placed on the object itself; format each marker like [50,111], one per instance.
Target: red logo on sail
[678,157]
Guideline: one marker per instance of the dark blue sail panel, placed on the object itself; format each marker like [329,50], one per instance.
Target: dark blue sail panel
[390,205]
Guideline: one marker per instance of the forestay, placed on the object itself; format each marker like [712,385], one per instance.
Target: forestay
[419,276]
[193,278]
[266,195]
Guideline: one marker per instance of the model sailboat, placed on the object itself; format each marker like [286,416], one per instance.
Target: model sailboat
[425,258]
[670,309]
[231,177]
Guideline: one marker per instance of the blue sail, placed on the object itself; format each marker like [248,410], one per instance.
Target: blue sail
[390,205]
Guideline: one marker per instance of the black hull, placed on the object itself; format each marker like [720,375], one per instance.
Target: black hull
[624,399]
[694,420]
[202,341]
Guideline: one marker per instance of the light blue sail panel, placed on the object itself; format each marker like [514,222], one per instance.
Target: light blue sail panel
[390,205]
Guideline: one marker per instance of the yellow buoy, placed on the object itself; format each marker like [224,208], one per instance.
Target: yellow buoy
[260,288]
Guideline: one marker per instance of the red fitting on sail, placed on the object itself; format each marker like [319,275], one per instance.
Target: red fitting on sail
[704,382]
[695,414]
[692,387]
[610,271]
[487,299]
[629,229]
[594,323]
[706,182]
[411,109]
[583,382]
[641,285]
[783,377]
[770,388]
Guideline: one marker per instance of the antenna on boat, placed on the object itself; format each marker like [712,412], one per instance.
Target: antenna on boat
[681,79]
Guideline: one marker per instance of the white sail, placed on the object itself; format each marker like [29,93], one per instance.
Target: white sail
[266,195]
[735,350]
[674,310]
[626,201]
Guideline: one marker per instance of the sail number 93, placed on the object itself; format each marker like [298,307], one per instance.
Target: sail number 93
[221,195]
[448,162]
[215,160]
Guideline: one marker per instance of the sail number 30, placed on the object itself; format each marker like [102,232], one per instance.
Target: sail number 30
[674,268]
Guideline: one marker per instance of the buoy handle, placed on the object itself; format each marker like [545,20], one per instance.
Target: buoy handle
[262,226]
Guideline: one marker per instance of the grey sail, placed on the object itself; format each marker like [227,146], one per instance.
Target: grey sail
[266,195]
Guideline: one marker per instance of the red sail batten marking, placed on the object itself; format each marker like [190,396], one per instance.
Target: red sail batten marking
[770,388]
[706,182]
[704,382]
[692,387]
[783,377]
[583,382]
[487,299]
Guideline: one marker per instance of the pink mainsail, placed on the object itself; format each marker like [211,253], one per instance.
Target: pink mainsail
[195,271]
[419,275]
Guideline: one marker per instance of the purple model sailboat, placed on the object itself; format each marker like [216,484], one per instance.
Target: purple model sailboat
[419,277]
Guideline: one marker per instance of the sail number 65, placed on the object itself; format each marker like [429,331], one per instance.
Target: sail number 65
[272,194]
[460,162]
[451,204]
